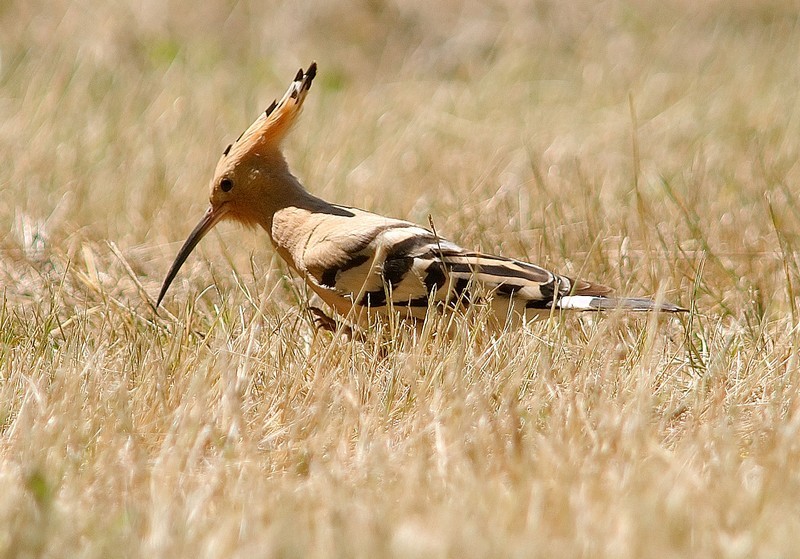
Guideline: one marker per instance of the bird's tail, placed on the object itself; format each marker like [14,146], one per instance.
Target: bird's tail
[593,303]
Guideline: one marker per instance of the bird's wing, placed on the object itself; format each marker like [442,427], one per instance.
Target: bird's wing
[386,263]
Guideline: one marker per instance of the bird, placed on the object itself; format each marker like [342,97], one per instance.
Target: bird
[362,264]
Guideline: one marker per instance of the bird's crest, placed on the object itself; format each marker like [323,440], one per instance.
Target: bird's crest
[272,125]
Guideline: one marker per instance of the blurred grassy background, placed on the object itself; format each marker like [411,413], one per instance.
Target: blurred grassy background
[645,145]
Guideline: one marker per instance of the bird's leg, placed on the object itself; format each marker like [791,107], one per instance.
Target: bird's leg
[324,322]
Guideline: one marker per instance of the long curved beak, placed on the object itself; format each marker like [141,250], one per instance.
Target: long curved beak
[210,219]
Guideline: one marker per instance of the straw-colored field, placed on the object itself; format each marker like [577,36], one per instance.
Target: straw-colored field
[650,146]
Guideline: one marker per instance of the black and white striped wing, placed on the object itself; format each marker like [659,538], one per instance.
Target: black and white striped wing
[406,266]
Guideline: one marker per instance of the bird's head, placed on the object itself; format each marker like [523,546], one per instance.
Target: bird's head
[248,170]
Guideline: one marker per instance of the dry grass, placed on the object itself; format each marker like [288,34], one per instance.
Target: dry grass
[646,145]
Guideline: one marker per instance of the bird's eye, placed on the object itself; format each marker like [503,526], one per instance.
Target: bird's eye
[226,184]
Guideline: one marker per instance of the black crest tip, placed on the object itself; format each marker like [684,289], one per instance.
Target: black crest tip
[311,73]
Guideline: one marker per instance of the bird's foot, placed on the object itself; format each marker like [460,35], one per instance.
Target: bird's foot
[324,322]
[321,320]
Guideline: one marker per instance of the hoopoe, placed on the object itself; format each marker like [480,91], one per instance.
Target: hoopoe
[361,263]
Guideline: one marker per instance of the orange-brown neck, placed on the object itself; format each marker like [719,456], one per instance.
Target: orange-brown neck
[277,202]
